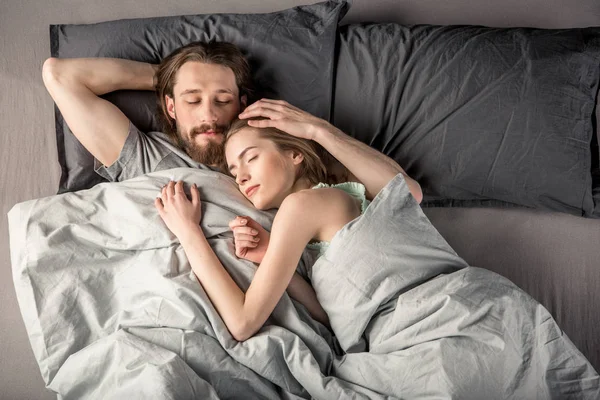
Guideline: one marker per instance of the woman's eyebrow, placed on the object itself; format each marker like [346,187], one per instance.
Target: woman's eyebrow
[231,166]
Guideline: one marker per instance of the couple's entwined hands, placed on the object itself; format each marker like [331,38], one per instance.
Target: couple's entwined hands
[181,214]
[285,117]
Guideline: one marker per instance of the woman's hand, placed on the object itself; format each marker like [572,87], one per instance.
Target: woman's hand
[251,240]
[179,213]
[282,115]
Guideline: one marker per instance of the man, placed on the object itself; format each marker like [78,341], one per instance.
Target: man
[201,88]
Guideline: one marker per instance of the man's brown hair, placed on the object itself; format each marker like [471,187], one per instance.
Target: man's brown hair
[213,52]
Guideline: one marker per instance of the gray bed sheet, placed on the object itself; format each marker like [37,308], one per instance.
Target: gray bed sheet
[553,257]
[108,296]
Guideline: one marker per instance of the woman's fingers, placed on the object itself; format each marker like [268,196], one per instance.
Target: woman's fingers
[245,244]
[178,187]
[173,188]
[265,123]
[271,101]
[159,206]
[265,112]
[195,192]
[240,221]
[244,237]
[168,191]
[244,230]
[278,105]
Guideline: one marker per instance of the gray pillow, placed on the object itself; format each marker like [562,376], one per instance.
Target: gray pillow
[479,116]
[291,53]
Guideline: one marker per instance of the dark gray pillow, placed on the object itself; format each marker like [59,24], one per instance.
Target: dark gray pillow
[291,53]
[479,116]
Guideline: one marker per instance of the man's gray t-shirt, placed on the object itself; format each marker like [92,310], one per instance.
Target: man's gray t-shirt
[145,153]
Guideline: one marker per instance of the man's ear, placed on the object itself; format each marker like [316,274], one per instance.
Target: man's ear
[243,102]
[170,106]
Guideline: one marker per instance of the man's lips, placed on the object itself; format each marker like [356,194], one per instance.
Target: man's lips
[206,133]
[250,191]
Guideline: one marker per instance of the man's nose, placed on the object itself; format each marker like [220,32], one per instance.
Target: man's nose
[207,112]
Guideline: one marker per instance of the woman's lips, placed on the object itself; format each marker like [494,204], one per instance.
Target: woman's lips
[251,190]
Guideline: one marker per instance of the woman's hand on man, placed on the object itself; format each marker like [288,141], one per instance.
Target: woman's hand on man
[179,213]
[282,115]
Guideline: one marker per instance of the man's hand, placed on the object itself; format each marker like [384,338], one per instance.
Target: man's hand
[251,240]
[179,214]
[282,115]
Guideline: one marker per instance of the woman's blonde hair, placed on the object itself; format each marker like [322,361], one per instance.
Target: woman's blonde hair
[316,158]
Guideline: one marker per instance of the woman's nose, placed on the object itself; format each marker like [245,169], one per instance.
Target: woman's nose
[242,177]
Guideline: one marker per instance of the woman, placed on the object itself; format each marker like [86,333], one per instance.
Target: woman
[273,170]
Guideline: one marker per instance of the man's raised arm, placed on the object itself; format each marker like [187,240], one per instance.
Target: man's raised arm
[75,85]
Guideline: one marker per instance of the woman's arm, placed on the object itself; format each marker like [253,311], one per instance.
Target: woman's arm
[301,291]
[244,314]
[371,167]
[251,242]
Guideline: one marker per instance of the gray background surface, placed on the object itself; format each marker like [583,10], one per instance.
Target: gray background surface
[502,240]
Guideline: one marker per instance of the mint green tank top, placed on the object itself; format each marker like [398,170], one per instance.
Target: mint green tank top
[354,189]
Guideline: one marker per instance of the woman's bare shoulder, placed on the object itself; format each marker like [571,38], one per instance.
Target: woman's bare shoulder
[326,209]
[322,198]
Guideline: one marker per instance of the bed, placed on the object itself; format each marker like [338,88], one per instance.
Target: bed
[542,236]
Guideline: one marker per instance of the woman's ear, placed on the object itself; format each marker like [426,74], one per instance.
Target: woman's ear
[296,157]
[170,106]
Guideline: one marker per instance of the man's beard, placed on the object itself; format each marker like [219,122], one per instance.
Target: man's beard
[211,153]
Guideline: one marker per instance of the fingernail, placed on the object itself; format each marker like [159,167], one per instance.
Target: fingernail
[243,221]
[159,195]
[254,232]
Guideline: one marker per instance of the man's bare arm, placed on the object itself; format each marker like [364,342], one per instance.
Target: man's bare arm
[75,85]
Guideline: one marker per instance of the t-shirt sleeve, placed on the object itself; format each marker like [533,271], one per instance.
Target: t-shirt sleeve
[141,154]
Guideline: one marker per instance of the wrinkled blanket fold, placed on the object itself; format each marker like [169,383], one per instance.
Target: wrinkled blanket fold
[435,326]
[113,310]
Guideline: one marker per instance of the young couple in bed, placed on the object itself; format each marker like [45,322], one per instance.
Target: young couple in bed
[279,155]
